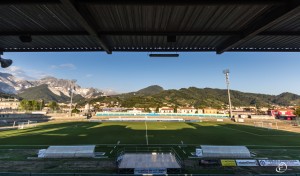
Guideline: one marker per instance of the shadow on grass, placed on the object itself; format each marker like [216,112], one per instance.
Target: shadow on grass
[79,133]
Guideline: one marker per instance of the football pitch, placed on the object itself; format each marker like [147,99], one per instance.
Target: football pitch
[151,133]
[112,138]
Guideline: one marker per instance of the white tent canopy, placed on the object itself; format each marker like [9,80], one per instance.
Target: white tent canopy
[211,151]
[85,151]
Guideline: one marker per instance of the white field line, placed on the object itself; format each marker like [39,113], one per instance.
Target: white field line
[238,130]
[146,132]
[112,149]
[276,135]
[279,146]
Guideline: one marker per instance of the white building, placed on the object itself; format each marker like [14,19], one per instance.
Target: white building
[188,110]
[9,104]
[135,111]
[166,110]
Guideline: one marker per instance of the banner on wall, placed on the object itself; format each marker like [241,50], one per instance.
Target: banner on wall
[277,162]
[246,163]
[228,163]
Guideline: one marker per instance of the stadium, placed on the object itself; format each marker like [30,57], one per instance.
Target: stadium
[148,143]
[174,143]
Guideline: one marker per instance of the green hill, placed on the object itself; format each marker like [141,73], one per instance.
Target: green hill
[151,90]
[155,96]
[5,95]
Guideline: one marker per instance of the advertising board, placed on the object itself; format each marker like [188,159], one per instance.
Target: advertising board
[153,171]
[246,163]
[277,162]
[228,163]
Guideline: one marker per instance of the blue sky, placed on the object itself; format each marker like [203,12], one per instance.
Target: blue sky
[271,73]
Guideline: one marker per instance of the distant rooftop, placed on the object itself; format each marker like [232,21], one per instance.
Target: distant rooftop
[9,99]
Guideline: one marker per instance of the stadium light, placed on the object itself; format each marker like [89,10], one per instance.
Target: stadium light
[71,90]
[226,72]
[5,62]
[163,55]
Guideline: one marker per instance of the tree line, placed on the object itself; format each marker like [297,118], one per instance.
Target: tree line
[37,105]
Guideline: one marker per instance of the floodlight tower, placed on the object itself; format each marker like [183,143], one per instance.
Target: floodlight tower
[71,91]
[226,72]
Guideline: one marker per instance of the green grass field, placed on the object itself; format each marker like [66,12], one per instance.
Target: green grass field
[212,133]
[264,143]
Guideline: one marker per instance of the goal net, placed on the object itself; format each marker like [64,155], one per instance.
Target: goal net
[28,124]
[259,124]
[268,125]
[32,123]
[21,125]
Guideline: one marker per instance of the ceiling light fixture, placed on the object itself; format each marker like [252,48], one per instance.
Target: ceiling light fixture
[163,55]
[171,38]
[26,38]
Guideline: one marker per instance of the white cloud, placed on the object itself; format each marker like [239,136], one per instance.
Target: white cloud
[38,74]
[21,73]
[88,75]
[18,72]
[64,66]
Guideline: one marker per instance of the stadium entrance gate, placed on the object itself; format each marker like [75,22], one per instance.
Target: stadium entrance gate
[148,160]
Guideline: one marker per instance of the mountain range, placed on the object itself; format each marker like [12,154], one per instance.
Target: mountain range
[48,88]
[54,89]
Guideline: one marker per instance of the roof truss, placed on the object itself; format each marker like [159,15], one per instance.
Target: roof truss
[259,25]
[278,11]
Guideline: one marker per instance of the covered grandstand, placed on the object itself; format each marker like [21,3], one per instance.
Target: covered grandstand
[85,151]
[211,151]
[147,26]
[150,25]
[154,161]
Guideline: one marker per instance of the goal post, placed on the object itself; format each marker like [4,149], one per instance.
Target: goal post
[21,125]
[32,123]
[268,125]
[28,124]
[259,124]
